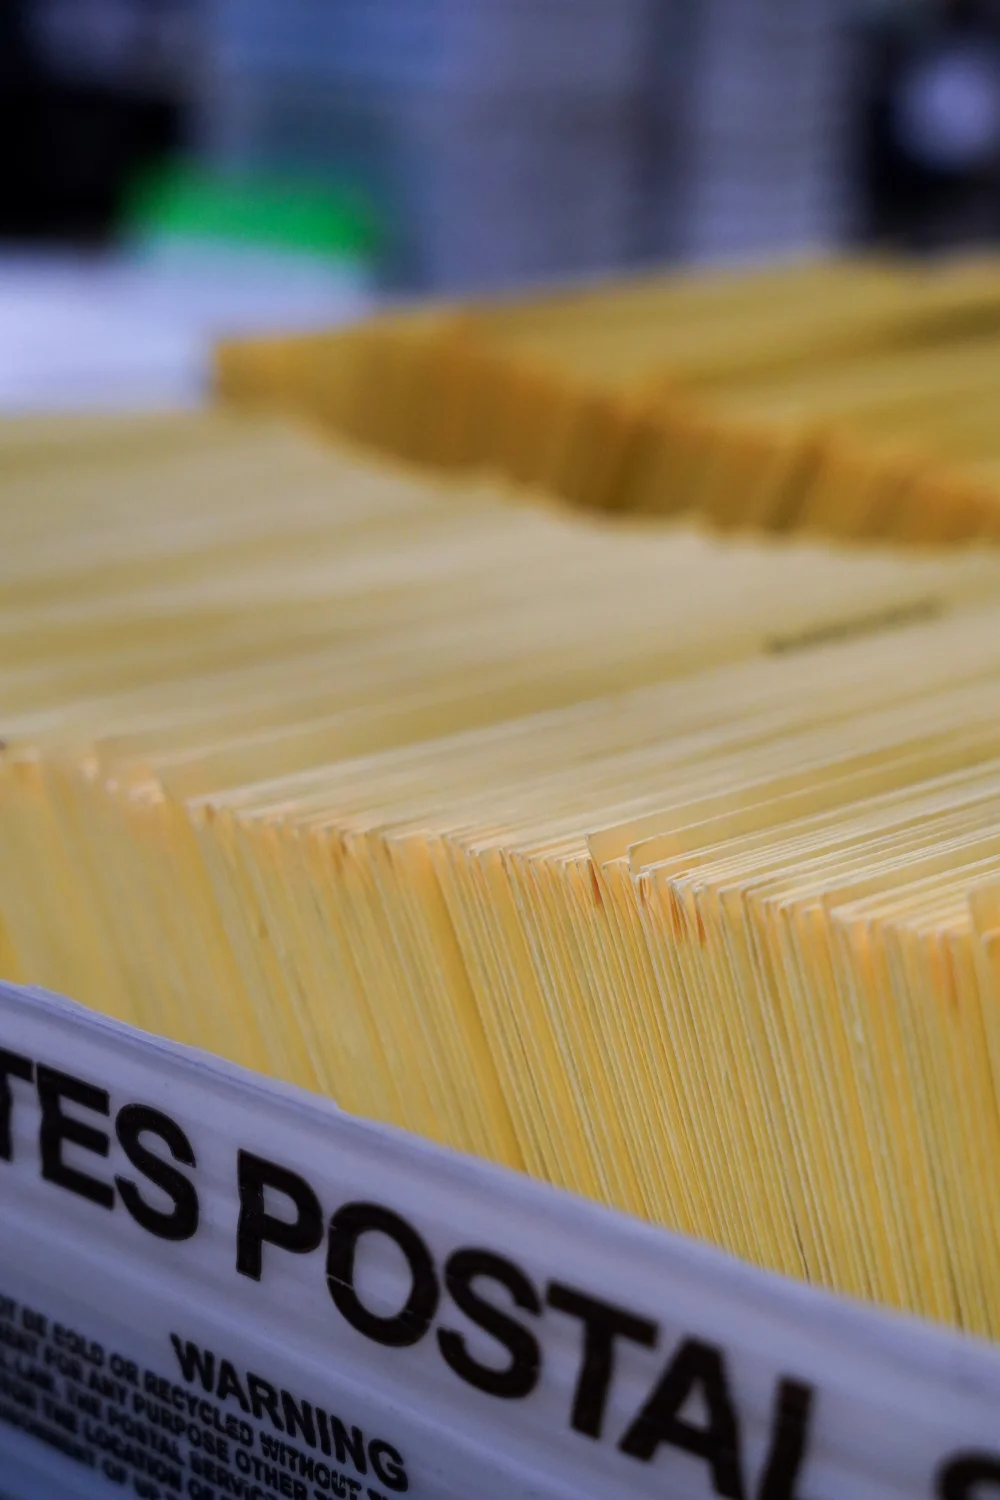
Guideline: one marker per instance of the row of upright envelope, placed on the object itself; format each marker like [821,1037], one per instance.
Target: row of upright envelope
[408,754]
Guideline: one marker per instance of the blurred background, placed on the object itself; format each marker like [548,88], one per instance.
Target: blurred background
[173,164]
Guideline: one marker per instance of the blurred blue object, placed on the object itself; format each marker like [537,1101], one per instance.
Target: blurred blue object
[500,46]
[496,139]
[505,141]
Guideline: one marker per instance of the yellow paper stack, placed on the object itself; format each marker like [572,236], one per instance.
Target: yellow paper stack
[663,865]
[844,398]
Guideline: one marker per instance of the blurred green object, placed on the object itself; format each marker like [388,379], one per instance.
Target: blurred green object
[185,203]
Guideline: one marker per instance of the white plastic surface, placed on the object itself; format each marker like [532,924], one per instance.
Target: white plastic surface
[132,333]
[617,1359]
